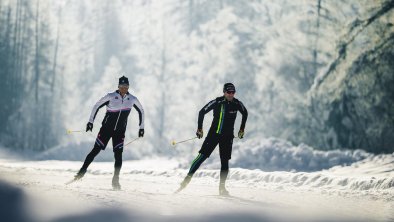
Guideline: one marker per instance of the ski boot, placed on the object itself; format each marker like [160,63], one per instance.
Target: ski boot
[223,191]
[80,174]
[115,183]
[77,176]
[184,183]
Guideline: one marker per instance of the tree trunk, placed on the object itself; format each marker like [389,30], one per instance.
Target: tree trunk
[315,47]
[55,55]
[162,79]
[37,59]
[37,139]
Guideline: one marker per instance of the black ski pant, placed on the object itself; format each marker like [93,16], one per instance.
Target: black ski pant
[90,157]
[225,142]
[101,142]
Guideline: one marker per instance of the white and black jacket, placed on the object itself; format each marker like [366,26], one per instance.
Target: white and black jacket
[118,109]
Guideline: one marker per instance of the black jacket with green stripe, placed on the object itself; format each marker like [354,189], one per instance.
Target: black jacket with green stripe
[224,115]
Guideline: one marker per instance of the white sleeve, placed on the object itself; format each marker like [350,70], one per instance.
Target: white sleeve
[102,102]
[137,105]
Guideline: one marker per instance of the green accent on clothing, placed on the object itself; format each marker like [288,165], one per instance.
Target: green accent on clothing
[220,124]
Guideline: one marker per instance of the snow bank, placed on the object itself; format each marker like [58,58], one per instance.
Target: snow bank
[274,154]
[306,180]
[324,181]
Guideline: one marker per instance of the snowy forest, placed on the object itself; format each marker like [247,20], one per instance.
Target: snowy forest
[312,72]
[316,77]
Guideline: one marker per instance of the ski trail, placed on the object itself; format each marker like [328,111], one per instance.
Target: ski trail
[151,194]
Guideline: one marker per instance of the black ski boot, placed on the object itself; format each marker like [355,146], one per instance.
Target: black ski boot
[184,183]
[223,191]
[80,174]
[77,176]
[115,183]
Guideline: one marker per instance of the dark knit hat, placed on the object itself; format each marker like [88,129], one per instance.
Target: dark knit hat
[229,87]
[123,80]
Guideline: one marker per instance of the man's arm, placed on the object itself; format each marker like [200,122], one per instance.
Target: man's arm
[137,105]
[203,111]
[102,102]
[244,113]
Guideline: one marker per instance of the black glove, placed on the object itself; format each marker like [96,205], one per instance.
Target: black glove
[241,133]
[141,133]
[199,133]
[89,126]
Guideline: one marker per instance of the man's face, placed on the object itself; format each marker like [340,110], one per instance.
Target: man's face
[123,89]
[229,95]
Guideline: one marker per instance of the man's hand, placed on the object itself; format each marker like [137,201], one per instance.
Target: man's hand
[241,133]
[89,126]
[141,133]
[199,133]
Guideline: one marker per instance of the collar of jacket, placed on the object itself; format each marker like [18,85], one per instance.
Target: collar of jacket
[117,91]
[223,99]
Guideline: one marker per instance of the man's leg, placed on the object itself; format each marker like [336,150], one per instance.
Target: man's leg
[207,148]
[193,168]
[225,149]
[118,166]
[100,144]
[117,142]
[223,177]
[89,159]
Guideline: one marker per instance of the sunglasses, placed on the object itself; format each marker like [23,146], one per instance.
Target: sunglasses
[230,92]
[123,86]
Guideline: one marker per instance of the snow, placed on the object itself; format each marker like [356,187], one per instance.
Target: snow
[270,180]
[271,154]
[274,154]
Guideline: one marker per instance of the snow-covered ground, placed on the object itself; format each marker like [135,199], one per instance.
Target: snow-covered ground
[270,180]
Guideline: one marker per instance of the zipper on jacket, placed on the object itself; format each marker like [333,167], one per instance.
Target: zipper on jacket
[117,120]
[119,112]
[106,118]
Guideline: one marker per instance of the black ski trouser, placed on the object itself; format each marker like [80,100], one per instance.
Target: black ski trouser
[223,171]
[196,164]
[104,135]
[224,140]
[225,147]
[90,157]
[118,162]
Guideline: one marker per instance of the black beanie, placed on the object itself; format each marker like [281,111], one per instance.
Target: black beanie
[229,87]
[123,80]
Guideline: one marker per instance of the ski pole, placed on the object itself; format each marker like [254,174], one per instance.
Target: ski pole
[131,141]
[74,131]
[174,142]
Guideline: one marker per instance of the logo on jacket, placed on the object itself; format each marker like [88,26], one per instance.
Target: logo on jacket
[116,97]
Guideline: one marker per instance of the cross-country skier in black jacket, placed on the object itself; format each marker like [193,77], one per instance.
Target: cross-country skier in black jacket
[225,110]
[119,105]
